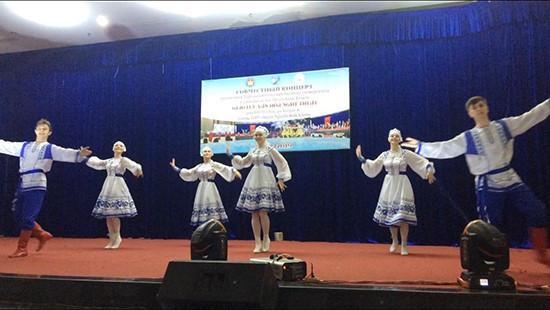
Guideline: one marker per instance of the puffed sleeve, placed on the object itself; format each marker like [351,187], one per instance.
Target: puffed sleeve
[96,163]
[239,162]
[283,170]
[419,164]
[227,172]
[131,165]
[372,168]
[189,175]
[10,148]
[445,149]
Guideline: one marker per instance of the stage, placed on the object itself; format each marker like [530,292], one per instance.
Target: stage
[81,273]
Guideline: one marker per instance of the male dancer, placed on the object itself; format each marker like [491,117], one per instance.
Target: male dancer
[35,159]
[488,148]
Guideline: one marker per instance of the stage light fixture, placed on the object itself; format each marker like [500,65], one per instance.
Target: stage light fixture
[484,252]
[209,241]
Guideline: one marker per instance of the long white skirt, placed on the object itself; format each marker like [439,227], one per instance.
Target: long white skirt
[260,192]
[114,200]
[207,205]
[396,202]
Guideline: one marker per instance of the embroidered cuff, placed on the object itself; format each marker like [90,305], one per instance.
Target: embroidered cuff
[231,155]
[362,159]
[418,148]
[176,169]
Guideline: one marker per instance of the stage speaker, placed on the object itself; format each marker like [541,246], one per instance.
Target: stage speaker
[200,284]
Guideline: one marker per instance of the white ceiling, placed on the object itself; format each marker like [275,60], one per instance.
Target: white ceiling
[132,20]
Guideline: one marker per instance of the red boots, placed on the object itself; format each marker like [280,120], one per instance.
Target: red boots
[24,237]
[22,245]
[41,235]
[539,239]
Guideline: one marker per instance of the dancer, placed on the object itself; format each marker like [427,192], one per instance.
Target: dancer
[208,203]
[260,194]
[396,208]
[488,148]
[35,160]
[114,200]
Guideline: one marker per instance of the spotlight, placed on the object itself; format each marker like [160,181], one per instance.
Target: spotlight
[209,241]
[485,254]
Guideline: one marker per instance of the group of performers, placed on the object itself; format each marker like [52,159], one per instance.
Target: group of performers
[488,148]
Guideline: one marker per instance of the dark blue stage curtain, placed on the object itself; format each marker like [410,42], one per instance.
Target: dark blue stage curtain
[412,70]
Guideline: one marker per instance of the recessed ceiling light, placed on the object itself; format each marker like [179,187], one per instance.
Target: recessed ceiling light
[51,13]
[102,20]
[205,8]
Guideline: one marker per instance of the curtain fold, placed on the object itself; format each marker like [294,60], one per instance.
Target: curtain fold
[411,70]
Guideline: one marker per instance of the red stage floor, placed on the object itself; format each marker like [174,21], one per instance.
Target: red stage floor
[335,263]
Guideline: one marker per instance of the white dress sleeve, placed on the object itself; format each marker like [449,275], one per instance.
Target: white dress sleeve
[445,149]
[10,148]
[227,172]
[283,170]
[190,175]
[239,162]
[372,168]
[520,124]
[131,165]
[419,164]
[96,163]
[66,154]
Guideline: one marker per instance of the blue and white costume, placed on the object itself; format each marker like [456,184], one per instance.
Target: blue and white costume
[396,201]
[114,199]
[35,160]
[208,203]
[260,191]
[488,153]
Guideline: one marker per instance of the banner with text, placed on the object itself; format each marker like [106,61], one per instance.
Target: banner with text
[303,111]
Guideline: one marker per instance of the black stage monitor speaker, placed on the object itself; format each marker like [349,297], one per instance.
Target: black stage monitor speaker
[209,241]
[201,284]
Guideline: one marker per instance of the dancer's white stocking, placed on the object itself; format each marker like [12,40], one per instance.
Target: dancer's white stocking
[394,238]
[257,230]
[404,235]
[264,218]
[116,232]
[111,233]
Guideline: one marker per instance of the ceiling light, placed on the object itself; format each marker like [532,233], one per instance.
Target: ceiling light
[102,20]
[205,8]
[51,13]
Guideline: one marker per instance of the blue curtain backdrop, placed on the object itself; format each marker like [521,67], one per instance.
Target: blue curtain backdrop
[411,70]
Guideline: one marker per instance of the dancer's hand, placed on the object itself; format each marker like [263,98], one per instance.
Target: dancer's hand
[431,178]
[173,163]
[228,150]
[139,174]
[358,151]
[282,185]
[238,175]
[410,143]
[85,151]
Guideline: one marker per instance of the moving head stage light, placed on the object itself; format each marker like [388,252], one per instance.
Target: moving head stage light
[485,254]
[209,241]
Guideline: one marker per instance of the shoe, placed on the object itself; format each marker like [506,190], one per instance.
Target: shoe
[116,241]
[393,247]
[265,245]
[258,247]
[40,234]
[404,250]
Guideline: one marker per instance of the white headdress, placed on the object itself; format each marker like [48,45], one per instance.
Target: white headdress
[263,130]
[395,131]
[120,142]
[206,148]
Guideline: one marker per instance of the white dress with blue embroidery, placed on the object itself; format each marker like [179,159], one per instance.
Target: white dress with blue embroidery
[208,203]
[260,191]
[396,201]
[114,199]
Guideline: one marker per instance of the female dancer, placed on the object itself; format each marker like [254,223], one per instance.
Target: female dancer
[260,194]
[396,208]
[114,200]
[208,203]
